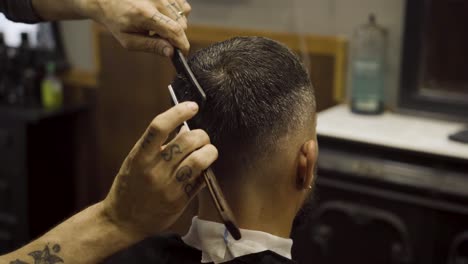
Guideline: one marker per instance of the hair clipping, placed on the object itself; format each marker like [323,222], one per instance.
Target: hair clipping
[182,67]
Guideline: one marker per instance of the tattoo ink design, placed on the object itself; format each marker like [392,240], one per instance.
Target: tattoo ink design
[149,137]
[190,189]
[184,174]
[43,256]
[170,151]
[18,262]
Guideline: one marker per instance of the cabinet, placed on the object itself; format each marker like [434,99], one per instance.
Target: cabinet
[37,172]
[389,202]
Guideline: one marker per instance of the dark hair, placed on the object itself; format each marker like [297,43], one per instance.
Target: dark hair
[257,91]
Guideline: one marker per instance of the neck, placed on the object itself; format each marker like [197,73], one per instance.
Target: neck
[252,210]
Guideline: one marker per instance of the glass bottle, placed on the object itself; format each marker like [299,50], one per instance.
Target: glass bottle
[51,89]
[368,68]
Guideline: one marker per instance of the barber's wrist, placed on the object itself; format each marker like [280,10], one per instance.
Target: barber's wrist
[125,234]
[86,8]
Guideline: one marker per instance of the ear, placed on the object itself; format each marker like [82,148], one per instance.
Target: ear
[307,159]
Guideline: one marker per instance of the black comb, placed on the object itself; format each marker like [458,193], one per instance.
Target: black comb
[217,196]
[182,67]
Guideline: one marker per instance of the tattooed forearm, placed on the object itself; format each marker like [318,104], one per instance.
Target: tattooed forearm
[44,256]
[170,151]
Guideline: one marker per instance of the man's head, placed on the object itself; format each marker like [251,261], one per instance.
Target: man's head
[260,114]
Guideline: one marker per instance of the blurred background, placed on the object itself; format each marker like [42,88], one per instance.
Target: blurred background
[391,80]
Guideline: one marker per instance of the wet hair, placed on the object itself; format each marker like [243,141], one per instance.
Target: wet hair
[257,91]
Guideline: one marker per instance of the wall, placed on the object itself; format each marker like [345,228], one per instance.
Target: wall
[325,17]
[78,41]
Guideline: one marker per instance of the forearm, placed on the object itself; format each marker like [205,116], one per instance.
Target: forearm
[88,237]
[59,9]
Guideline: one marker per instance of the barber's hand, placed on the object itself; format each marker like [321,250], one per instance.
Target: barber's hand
[130,21]
[156,182]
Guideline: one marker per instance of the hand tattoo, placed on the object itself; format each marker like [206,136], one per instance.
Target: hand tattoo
[170,151]
[190,189]
[149,137]
[43,256]
[183,175]
[18,262]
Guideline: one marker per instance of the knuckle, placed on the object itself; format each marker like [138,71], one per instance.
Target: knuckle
[135,10]
[198,161]
[170,196]
[214,151]
[150,45]
[158,47]
[177,29]
[125,43]
[195,138]
[189,139]
[124,23]
[156,124]
[202,135]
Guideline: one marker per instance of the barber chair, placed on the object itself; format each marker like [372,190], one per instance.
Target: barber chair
[378,235]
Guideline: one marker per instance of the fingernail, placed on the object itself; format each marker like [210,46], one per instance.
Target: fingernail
[167,51]
[192,106]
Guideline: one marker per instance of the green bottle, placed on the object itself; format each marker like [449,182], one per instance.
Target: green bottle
[51,89]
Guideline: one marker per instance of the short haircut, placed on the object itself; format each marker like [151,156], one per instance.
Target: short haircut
[257,92]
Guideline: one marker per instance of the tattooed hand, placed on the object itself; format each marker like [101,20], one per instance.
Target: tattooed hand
[156,182]
[130,21]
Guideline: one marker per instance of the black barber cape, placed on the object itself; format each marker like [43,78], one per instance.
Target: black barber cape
[170,249]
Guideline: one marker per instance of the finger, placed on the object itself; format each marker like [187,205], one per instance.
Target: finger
[167,28]
[180,9]
[184,129]
[183,145]
[137,42]
[163,125]
[186,8]
[188,174]
[172,10]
